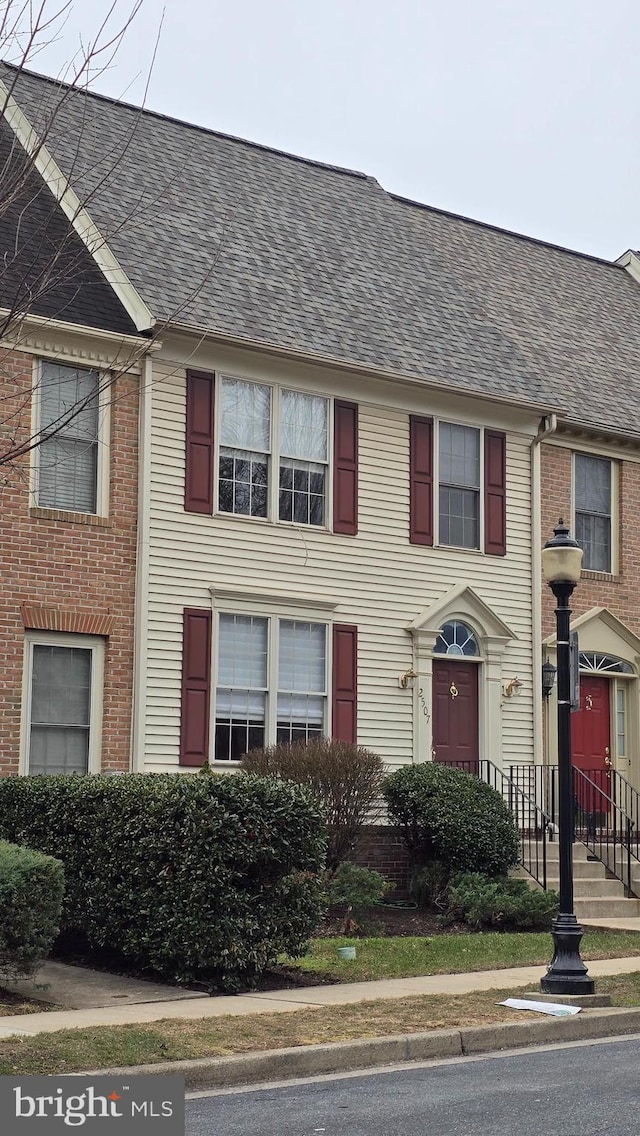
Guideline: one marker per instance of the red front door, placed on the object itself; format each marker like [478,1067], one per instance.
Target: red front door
[455,712]
[591,742]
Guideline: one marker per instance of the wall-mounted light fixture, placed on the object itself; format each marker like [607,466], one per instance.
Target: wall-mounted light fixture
[512,687]
[548,678]
[406,678]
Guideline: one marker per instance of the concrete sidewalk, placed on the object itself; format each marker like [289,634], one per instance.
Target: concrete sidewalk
[285,1001]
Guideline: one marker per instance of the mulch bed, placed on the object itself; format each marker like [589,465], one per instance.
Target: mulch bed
[387,919]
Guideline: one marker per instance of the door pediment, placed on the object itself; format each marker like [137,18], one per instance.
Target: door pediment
[600,631]
[462,602]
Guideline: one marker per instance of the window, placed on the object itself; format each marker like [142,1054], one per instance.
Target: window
[67,456]
[459,480]
[621,716]
[592,492]
[271,683]
[456,638]
[264,428]
[64,689]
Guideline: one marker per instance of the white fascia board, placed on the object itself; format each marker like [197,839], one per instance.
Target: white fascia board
[71,206]
[631,261]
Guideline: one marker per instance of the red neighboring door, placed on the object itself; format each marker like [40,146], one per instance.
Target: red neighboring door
[455,712]
[591,740]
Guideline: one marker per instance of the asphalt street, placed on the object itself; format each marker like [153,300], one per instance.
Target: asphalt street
[571,1090]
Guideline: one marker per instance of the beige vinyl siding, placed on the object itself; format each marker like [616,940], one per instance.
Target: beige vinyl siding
[377,579]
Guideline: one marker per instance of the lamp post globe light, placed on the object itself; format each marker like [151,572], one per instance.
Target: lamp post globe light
[567,974]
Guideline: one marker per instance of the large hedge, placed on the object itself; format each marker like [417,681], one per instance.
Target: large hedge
[193,877]
[31,888]
[450,817]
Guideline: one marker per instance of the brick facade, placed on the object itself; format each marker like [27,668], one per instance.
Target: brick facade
[620,593]
[383,850]
[68,571]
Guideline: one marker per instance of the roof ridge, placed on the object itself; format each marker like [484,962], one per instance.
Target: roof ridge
[507,232]
[190,125]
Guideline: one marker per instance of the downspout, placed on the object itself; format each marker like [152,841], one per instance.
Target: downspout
[548,426]
[141,621]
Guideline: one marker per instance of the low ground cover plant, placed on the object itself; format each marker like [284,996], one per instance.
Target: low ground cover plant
[498,904]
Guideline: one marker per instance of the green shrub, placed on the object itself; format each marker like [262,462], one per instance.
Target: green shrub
[346,779]
[206,878]
[31,889]
[503,904]
[450,816]
[355,888]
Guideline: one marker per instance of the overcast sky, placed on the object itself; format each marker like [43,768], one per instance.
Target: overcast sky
[521,113]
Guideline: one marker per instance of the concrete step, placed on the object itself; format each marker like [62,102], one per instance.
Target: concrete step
[607,908]
[591,888]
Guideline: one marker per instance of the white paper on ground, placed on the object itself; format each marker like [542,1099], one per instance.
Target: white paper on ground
[556,1009]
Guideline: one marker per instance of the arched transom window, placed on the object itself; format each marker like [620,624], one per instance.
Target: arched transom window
[609,664]
[456,638]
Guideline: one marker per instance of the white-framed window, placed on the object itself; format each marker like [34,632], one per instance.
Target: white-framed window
[273,452]
[70,417]
[593,494]
[271,682]
[62,703]
[459,481]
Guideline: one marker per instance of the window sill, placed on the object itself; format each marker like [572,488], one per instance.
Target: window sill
[590,574]
[460,548]
[244,517]
[69,517]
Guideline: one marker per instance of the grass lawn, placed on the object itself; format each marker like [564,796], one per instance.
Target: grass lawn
[95,1048]
[405,957]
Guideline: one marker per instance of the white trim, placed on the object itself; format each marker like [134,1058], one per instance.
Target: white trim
[272,620]
[103,463]
[614,565]
[71,206]
[273,453]
[305,603]
[141,615]
[92,643]
[206,334]
[631,262]
[438,421]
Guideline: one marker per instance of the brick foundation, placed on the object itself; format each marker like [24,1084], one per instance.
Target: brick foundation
[384,851]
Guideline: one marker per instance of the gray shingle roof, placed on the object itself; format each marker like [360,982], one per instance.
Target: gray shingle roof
[222,234]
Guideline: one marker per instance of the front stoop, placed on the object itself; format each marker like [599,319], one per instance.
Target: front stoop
[596,895]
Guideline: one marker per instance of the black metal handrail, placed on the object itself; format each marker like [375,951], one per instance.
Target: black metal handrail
[534,823]
[612,831]
[604,826]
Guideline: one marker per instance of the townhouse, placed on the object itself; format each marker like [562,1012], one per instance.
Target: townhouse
[353,417]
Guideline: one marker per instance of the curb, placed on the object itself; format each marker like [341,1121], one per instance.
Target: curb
[349,1056]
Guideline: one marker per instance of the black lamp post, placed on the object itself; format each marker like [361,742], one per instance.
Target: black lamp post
[567,974]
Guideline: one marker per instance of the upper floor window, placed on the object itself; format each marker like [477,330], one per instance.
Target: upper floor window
[593,510]
[269,433]
[67,454]
[459,478]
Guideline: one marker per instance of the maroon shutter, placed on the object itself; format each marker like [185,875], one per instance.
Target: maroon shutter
[344,724]
[421,480]
[198,485]
[495,493]
[345,468]
[196,686]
